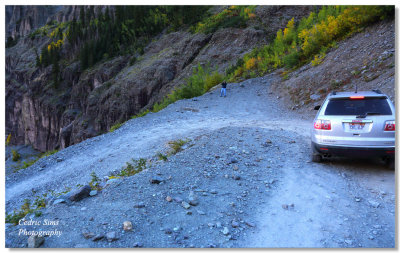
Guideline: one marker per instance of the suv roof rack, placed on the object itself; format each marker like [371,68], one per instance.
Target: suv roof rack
[377,91]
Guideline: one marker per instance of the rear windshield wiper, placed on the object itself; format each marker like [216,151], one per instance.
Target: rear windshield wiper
[368,113]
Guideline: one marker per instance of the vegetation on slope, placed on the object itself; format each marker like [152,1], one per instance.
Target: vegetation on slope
[296,45]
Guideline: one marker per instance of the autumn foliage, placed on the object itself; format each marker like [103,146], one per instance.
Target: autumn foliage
[308,39]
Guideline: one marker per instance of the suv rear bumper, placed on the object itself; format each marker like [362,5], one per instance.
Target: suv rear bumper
[353,151]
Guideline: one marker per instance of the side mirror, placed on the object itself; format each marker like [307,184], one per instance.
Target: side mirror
[317,107]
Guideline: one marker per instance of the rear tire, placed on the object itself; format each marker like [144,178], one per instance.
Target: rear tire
[316,158]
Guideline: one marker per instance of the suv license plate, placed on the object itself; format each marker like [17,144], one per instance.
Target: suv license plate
[356,126]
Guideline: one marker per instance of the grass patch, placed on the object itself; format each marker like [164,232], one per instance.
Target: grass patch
[95,181]
[25,209]
[201,81]
[234,16]
[8,140]
[133,167]
[143,113]
[33,161]
[162,157]
[176,146]
[115,127]
[15,155]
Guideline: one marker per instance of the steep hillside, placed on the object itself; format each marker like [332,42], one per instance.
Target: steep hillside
[366,60]
[52,106]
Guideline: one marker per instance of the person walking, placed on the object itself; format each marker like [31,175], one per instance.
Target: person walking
[223,89]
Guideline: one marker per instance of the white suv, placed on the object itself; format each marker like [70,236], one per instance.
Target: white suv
[357,124]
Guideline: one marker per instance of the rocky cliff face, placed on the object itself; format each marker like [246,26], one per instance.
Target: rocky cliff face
[21,20]
[88,103]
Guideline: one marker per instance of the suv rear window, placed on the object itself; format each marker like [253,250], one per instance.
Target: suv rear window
[349,106]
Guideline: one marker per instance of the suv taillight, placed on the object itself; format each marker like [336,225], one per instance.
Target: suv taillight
[322,124]
[390,125]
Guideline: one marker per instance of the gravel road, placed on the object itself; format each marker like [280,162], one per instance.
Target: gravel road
[247,164]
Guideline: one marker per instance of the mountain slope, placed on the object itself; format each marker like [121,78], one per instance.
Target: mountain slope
[85,103]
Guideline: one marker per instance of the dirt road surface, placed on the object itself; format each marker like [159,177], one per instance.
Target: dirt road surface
[290,201]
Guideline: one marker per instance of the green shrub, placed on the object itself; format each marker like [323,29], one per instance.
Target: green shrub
[26,164]
[15,155]
[176,145]
[143,113]
[133,168]
[234,16]
[115,127]
[26,208]
[308,41]
[19,214]
[132,60]
[162,157]
[8,140]
[201,80]
[95,181]
[291,60]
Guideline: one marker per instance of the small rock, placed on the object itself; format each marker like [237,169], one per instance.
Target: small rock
[235,224]
[137,245]
[168,231]
[84,208]
[193,199]
[59,159]
[156,180]
[168,198]
[176,229]
[93,193]
[268,141]
[185,205]
[59,201]
[127,226]
[236,177]
[235,168]
[201,212]
[374,203]
[139,205]
[111,236]
[98,237]
[218,224]
[189,212]
[87,234]
[178,199]
[284,206]
[315,97]
[225,231]
[234,160]
[348,242]
[91,219]
[213,192]
[358,199]
[80,194]
[35,241]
